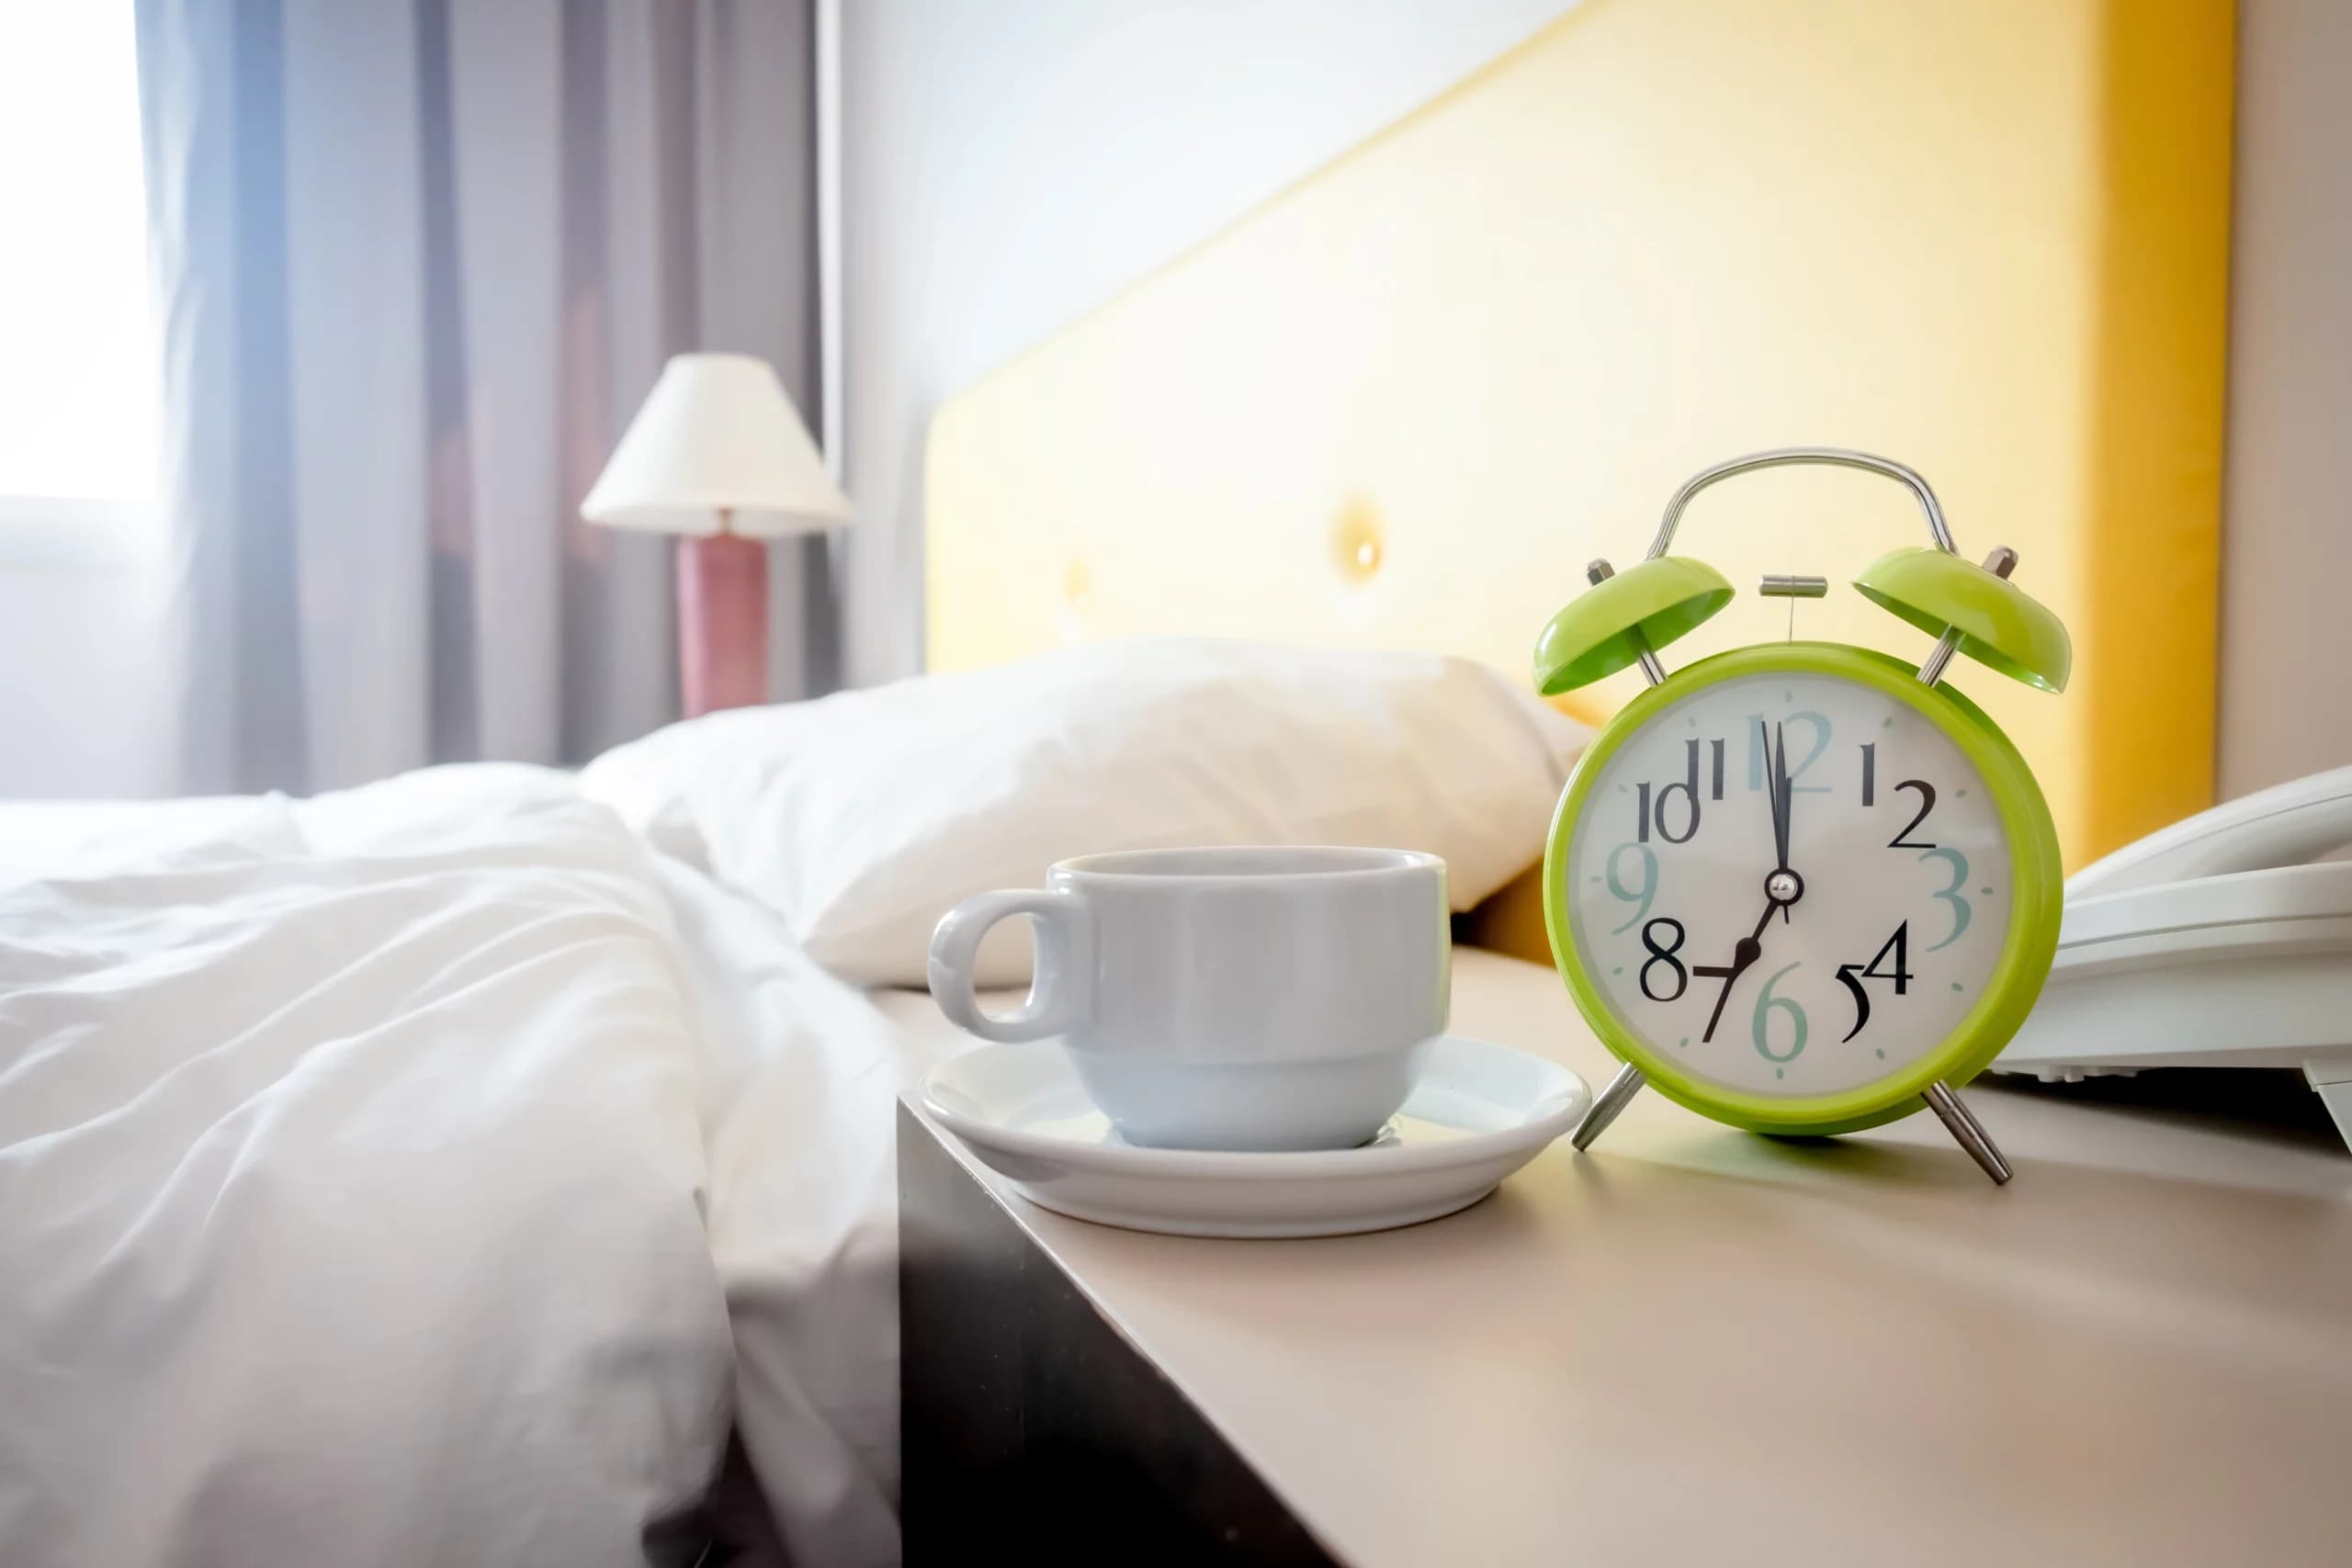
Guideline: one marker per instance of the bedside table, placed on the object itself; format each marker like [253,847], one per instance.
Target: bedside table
[1692,1343]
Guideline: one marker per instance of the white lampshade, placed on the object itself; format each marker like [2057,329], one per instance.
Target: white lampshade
[716,435]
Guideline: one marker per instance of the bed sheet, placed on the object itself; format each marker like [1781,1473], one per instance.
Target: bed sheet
[428,1173]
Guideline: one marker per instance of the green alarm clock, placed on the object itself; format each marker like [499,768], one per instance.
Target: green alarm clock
[1804,888]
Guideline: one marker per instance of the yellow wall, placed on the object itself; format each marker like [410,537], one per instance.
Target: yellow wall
[1989,240]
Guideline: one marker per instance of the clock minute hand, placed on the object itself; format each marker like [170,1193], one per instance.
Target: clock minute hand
[1777,747]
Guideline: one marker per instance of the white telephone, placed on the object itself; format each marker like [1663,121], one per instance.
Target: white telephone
[2211,944]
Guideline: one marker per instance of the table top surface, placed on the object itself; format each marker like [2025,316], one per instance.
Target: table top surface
[1692,1339]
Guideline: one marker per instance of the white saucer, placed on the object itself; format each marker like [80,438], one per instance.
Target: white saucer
[1479,1112]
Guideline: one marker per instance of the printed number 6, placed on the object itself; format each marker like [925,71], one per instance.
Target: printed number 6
[1951,894]
[1762,1022]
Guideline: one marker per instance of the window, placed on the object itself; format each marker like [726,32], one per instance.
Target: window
[78,391]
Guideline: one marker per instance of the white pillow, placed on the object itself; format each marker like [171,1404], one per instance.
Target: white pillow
[862,818]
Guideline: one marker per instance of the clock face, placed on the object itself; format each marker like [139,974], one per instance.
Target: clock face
[1790,884]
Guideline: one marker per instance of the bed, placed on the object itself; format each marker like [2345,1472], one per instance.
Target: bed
[430,1172]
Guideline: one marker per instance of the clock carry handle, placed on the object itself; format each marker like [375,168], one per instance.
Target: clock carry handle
[1625,618]
[1793,457]
[2000,562]
[1969,609]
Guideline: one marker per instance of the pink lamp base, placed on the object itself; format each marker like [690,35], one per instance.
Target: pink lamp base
[722,622]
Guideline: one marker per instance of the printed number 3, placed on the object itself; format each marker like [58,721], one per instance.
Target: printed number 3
[1950,893]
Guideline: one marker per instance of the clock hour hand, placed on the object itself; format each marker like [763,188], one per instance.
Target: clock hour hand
[1746,952]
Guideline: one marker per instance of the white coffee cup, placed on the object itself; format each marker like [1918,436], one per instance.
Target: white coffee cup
[1225,999]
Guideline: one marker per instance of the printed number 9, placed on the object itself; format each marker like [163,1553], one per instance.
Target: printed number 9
[1766,1002]
[1642,894]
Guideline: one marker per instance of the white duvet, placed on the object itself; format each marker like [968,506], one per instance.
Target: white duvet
[425,1175]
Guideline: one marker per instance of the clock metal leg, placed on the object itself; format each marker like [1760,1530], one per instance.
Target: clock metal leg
[1966,1129]
[1621,1089]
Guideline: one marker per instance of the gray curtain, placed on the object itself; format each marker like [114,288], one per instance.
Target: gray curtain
[418,262]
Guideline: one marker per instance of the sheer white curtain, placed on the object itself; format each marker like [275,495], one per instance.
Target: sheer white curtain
[419,260]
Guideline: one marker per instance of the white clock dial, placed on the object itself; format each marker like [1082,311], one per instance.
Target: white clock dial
[1832,969]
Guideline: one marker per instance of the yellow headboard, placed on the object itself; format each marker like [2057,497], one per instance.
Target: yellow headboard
[1404,403]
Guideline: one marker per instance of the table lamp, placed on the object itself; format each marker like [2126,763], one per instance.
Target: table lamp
[718,455]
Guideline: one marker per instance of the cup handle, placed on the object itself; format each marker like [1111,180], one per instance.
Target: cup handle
[1058,987]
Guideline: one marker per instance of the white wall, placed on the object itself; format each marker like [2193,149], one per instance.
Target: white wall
[2287,545]
[1008,165]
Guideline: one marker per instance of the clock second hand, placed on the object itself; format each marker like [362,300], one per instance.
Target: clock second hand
[1781,889]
